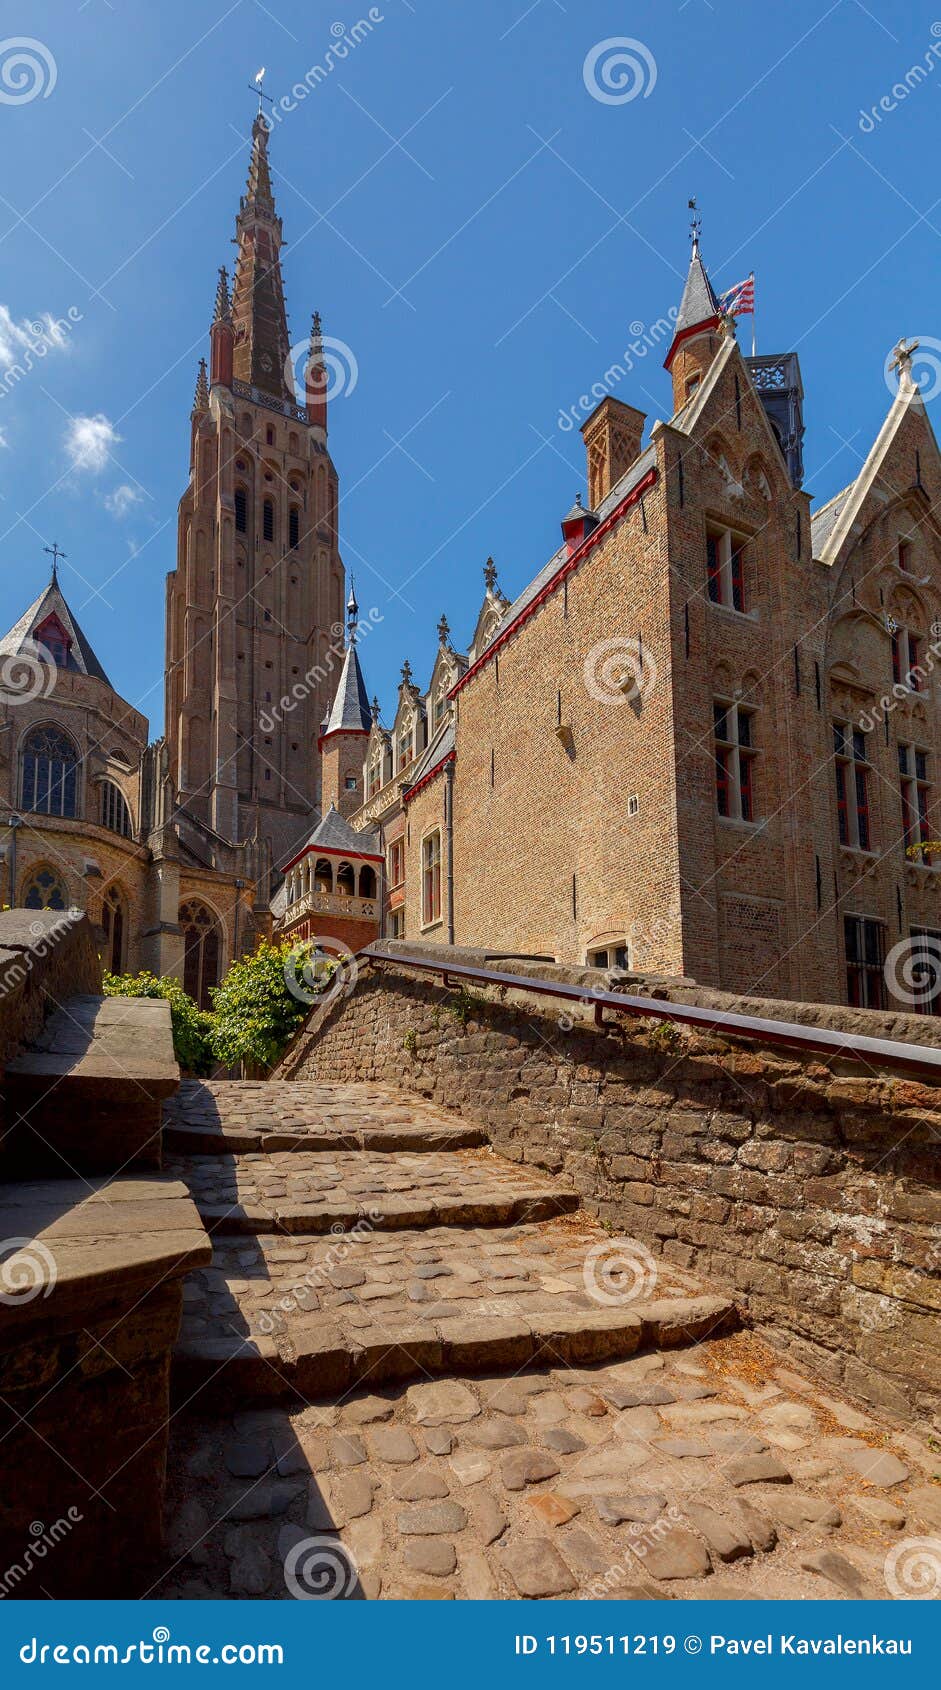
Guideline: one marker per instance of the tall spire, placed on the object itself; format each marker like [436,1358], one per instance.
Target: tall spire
[262,343]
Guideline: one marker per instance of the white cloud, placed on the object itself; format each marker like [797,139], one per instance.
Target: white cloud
[88,441]
[122,500]
[32,337]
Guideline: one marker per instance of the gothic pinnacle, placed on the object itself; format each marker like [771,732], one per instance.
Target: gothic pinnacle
[444,629]
[223,310]
[490,574]
[201,396]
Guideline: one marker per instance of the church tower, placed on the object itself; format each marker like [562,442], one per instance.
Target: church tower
[257,593]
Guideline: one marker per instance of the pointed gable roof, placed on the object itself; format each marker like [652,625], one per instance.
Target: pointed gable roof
[82,659]
[833,523]
[350,712]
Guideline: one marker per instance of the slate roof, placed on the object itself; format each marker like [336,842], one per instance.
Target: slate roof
[699,301]
[350,709]
[333,833]
[437,748]
[823,521]
[82,659]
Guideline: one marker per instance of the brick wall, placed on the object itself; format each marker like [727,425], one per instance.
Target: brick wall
[808,1188]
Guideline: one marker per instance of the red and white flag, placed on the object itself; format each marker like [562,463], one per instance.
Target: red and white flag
[740,300]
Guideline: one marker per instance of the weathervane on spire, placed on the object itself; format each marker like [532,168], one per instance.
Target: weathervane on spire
[257,87]
[695,225]
[55,554]
[352,614]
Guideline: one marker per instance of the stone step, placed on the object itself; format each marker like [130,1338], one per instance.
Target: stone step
[87,1096]
[317,1192]
[233,1116]
[274,1317]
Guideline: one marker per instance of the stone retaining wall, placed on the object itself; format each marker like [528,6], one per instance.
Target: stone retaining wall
[809,1188]
[46,956]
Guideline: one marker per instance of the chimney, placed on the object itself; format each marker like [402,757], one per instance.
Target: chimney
[612,437]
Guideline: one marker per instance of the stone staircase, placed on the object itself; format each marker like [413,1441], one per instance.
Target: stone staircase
[341,1258]
[415,1370]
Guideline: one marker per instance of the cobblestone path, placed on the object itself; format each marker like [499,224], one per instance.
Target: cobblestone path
[416,1370]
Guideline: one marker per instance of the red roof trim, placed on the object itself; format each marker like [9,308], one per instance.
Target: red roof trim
[684,334]
[413,791]
[562,573]
[334,851]
[364,733]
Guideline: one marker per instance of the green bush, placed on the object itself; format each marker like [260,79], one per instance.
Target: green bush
[191,1025]
[254,1013]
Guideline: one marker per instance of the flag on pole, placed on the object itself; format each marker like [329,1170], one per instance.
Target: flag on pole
[740,300]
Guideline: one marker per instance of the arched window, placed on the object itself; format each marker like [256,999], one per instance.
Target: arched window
[294,527]
[367,881]
[267,519]
[346,884]
[200,952]
[114,811]
[112,922]
[241,510]
[43,890]
[49,781]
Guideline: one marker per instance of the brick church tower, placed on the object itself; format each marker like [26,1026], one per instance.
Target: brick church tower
[258,587]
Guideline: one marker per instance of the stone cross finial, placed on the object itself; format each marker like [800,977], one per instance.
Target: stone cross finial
[490,574]
[444,629]
[406,673]
[902,358]
[375,708]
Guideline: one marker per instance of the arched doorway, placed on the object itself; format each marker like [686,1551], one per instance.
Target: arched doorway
[112,922]
[200,952]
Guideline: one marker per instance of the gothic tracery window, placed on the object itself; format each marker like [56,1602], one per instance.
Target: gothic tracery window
[44,890]
[49,772]
[200,952]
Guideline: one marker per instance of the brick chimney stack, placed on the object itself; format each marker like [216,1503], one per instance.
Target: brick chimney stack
[612,437]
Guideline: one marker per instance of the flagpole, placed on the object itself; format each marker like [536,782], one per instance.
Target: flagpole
[754,338]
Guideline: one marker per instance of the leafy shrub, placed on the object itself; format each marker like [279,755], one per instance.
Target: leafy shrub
[254,1012]
[191,1025]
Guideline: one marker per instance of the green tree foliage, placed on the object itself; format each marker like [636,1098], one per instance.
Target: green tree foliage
[191,1025]
[254,1011]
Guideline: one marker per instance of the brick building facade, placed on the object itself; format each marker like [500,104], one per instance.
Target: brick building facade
[704,740]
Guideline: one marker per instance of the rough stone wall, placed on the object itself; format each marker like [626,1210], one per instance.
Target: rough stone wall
[45,957]
[810,1189]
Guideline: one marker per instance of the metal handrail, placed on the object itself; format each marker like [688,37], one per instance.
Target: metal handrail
[823,1041]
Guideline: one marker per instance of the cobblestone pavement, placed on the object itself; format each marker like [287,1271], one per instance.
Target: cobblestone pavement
[310,1191]
[672,1476]
[473,1411]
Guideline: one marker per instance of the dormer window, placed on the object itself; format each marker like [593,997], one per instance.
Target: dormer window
[53,638]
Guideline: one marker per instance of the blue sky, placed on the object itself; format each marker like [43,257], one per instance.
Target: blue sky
[475,226]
